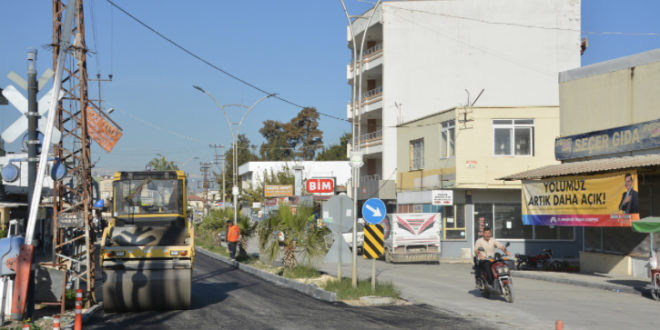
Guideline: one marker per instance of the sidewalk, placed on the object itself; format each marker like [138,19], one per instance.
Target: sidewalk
[617,283]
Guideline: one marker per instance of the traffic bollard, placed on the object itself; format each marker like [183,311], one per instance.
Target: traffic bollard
[78,324]
[56,322]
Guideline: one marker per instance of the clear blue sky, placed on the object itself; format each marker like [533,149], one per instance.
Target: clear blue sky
[296,48]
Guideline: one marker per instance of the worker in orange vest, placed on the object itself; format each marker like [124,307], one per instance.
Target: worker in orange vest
[233,233]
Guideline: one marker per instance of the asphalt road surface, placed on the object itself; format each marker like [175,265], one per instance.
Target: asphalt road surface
[227,298]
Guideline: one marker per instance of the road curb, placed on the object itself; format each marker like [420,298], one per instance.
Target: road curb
[308,289]
[603,286]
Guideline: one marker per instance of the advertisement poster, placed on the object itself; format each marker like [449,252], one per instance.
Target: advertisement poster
[102,131]
[607,200]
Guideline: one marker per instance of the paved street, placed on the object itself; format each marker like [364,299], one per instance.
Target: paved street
[538,304]
[224,297]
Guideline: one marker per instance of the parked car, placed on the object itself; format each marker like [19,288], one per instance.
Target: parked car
[348,237]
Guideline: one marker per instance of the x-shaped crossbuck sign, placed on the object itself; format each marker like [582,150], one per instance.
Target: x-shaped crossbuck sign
[20,102]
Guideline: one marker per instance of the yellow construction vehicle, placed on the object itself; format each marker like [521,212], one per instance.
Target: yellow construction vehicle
[148,249]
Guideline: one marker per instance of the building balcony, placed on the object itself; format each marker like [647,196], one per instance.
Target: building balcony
[371,59]
[371,143]
[371,100]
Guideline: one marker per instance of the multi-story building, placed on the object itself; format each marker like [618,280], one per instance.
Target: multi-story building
[422,57]
[461,152]
[610,143]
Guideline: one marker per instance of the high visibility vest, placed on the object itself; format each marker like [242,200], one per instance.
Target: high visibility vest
[232,233]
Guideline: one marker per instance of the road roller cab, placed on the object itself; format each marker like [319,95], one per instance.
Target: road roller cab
[147,249]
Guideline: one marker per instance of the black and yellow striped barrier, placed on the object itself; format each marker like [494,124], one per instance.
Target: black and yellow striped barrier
[373,241]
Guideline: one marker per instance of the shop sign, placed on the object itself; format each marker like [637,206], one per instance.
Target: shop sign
[278,190]
[325,186]
[615,140]
[606,200]
[442,197]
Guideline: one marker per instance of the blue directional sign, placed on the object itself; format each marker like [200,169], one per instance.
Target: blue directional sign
[373,211]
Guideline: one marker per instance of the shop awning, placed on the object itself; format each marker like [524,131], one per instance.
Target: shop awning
[588,166]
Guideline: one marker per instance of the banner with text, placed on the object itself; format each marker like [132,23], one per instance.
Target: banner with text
[607,200]
[102,131]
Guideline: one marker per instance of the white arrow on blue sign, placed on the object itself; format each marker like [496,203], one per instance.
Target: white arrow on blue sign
[373,211]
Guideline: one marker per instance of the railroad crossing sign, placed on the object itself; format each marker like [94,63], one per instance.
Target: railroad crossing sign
[20,102]
[373,241]
[374,211]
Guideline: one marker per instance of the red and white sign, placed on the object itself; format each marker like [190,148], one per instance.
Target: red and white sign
[321,186]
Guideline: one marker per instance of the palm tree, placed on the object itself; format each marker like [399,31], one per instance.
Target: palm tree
[248,229]
[162,164]
[300,235]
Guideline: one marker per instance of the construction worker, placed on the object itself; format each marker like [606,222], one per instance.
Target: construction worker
[233,234]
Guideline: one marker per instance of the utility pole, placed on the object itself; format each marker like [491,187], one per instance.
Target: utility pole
[204,168]
[99,80]
[216,162]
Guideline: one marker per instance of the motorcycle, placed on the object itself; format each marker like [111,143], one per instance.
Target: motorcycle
[544,261]
[502,281]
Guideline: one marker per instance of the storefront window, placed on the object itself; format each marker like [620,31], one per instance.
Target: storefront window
[508,224]
[454,222]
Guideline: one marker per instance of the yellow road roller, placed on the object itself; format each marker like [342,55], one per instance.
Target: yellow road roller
[148,249]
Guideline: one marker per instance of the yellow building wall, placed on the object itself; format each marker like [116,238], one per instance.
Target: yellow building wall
[476,164]
[608,100]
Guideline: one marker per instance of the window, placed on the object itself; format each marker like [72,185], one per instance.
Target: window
[454,222]
[447,139]
[417,154]
[513,137]
[506,222]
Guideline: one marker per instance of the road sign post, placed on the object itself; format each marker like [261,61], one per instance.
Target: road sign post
[337,215]
[373,248]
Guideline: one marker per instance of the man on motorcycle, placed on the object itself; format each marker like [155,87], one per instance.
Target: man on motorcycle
[484,247]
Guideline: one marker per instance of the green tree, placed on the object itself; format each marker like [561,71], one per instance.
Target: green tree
[305,134]
[336,151]
[162,164]
[245,153]
[300,235]
[276,147]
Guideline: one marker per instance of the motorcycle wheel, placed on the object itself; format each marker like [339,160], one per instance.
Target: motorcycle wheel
[508,293]
[555,266]
[655,290]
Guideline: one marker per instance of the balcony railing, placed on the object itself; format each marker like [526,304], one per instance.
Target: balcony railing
[370,54]
[367,178]
[371,138]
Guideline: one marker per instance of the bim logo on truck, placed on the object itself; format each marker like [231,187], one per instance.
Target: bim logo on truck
[320,186]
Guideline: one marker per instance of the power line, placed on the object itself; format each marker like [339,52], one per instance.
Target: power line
[213,65]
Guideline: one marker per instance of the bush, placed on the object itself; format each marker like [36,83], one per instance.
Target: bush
[301,272]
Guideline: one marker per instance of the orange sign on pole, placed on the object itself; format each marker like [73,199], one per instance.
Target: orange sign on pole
[103,132]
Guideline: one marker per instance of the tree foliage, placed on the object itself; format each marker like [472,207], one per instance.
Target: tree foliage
[245,153]
[336,151]
[298,139]
[162,164]
[300,235]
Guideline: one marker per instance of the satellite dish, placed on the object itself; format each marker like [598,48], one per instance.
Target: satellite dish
[10,172]
[58,171]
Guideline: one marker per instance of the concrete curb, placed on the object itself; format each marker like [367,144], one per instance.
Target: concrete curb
[582,283]
[86,316]
[308,289]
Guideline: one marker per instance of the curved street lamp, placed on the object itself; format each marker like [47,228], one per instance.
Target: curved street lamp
[234,135]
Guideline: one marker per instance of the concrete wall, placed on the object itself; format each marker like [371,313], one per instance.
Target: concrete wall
[615,93]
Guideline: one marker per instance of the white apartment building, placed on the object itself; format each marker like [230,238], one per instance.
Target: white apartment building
[422,57]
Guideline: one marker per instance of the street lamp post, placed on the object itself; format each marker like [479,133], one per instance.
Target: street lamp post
[234,135]
[357,115]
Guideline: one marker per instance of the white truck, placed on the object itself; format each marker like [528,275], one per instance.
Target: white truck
[412,237]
